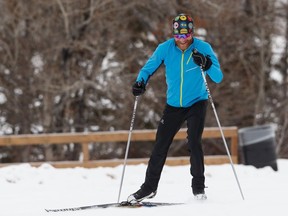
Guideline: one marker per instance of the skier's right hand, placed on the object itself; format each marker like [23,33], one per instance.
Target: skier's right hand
[138,88]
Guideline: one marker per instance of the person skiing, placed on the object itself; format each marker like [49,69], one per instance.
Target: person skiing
[184,56]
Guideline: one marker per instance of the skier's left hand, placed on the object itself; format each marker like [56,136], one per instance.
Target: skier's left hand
[203,61]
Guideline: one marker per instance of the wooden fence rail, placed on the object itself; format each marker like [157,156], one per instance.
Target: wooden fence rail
[118,136]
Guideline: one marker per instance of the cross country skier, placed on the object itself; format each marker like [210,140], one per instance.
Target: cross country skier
[186,101]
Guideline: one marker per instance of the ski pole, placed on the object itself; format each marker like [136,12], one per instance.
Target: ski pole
[127,146]
[220,128]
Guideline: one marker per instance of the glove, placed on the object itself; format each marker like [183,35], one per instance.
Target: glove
[138,88]
[203,61]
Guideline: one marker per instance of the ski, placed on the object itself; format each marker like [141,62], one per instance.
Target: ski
[108,205]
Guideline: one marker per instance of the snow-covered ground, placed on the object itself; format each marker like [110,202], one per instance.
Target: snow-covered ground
[27,191]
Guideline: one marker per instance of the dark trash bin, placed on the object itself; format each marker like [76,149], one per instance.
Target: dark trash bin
[258,146]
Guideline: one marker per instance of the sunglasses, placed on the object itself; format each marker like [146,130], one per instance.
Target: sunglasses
[184,36]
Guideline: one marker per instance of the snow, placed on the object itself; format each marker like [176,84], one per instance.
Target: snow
[27,191]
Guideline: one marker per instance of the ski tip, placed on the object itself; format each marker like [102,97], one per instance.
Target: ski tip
[48,210]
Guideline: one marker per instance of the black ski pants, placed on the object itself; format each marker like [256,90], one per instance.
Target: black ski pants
[169,125]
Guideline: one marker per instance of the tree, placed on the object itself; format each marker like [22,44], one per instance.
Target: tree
[68,66]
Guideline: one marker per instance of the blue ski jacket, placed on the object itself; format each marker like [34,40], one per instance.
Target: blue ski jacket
[185,84]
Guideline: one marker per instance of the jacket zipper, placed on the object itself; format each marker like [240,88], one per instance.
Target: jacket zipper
[182,80]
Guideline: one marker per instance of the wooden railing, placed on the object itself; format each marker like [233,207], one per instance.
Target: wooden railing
[118,136]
